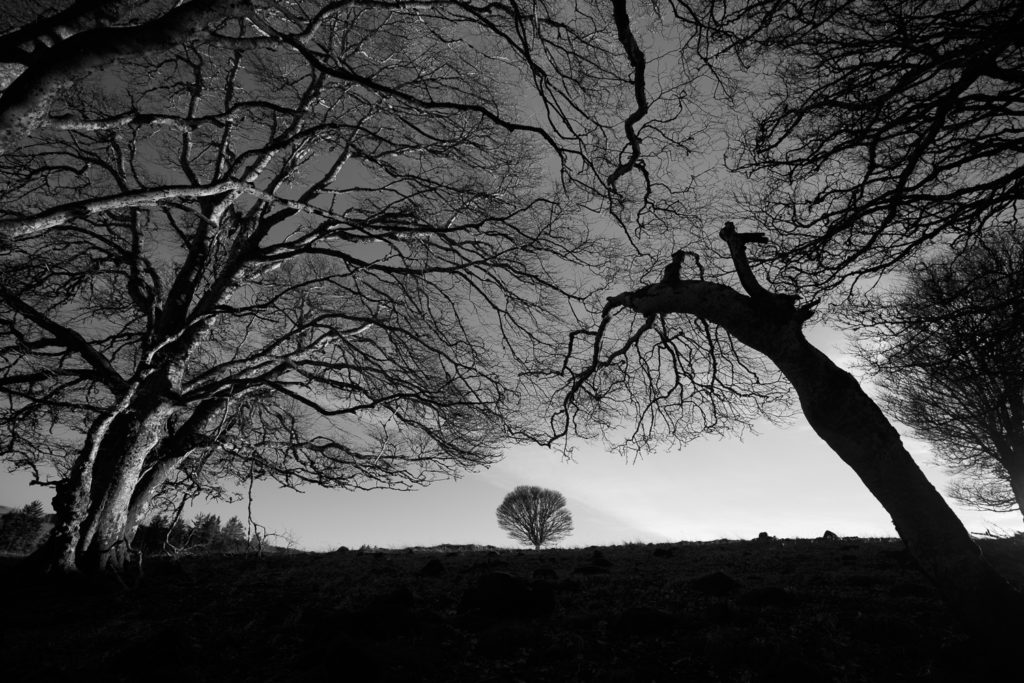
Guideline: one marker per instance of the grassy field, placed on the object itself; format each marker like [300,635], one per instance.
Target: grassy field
[777,610]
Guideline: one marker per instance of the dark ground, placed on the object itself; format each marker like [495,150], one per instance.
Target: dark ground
[780,610]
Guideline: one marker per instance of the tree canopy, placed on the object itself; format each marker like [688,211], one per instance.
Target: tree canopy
[535,516]
[880,126]
[946,348]
[309,241]
[831,96]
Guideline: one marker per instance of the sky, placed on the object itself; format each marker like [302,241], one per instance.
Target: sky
[782,480]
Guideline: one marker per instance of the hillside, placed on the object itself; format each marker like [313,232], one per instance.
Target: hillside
[778,610]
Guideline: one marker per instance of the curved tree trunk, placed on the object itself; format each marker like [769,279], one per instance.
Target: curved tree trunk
[106,535]
[842,414]
[73,499]
[101,504]
[209,417]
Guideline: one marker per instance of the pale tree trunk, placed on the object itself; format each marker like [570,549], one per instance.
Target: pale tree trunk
[106,535]
[842,414]
[147,488]
[200,429]
[92,505]
[73,497]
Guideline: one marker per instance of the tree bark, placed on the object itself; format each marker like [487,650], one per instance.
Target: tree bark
[106,536]
[208,418]
[92,505]
[842,414]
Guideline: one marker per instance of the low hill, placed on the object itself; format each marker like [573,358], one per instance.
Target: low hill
[851,610]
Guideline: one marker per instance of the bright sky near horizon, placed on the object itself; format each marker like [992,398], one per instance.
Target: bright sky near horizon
[783,480]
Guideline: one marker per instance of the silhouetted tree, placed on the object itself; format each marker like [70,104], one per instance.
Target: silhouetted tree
[887,124]
[308,241]
[343,212]
[232,536]
[947,349]
[535,516]
[879,127]
[206,530]
[638,359]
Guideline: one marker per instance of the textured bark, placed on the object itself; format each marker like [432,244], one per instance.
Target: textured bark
[72,500]
[70,505]
[105,538]
[25,227]
[842,414]
[92,506]
[172,452]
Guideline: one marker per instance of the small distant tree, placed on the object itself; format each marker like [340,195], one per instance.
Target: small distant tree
[20,530]
[535,516]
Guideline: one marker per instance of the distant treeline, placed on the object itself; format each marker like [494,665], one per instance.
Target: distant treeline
[205,533]
[21,531]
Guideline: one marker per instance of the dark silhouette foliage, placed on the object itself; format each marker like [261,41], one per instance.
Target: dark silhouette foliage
[21,530]
[204,534]
[232,536]
[889,123]
[946,350]
[206,529]
[308,242]
[535,516]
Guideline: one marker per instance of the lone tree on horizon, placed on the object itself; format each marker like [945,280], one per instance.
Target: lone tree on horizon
[535,516]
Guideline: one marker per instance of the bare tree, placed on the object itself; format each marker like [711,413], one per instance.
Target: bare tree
[535,516]
[354,221]
[50,50]
[882,125]
[640,359]
[946,348]
[317,243]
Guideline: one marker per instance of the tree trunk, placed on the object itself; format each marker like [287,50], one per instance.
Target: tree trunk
[842,414]
[92,532]
[148,486]
[72,501]
[1015,471]
[106,534]
[209,417]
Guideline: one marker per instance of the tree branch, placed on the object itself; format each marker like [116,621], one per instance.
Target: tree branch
[25,102]
[70,339]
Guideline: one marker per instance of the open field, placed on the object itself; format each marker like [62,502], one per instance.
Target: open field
[779,610]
